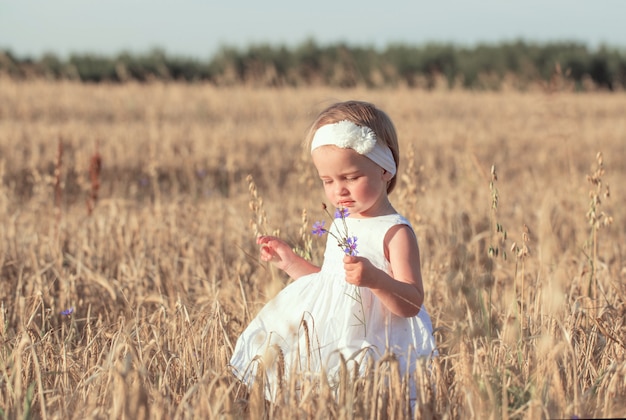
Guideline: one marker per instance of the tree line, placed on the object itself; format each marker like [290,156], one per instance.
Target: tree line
[518,64]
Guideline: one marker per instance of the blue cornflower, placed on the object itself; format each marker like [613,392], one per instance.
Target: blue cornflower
[341,213]
[67,312]
[349,246]
[318,228]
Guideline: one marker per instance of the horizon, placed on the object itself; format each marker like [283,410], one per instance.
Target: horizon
[199,30]
[244,48]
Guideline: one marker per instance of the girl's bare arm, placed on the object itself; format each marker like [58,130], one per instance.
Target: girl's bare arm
[402,292]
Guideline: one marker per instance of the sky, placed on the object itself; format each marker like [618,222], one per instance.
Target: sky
[199,29]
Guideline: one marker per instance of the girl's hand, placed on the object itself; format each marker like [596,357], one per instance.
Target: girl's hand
[276,251]
[359,271]
[279,253]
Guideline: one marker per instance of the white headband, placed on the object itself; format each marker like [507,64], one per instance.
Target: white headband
[348,135]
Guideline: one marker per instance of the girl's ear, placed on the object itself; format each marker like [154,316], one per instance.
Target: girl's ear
[387,175]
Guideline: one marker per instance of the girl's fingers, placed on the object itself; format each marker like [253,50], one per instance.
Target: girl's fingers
[266,250]
[270,248]
[268,240]
[349,259]
[267,253]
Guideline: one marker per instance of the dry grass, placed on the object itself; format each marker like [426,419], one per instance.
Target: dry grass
[156,253]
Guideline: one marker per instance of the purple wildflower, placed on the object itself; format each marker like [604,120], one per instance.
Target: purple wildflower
[67,312]
[341,213]
[345,242]
[349,246]
[318,228]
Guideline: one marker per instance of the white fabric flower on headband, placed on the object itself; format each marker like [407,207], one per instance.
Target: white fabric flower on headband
[347,135]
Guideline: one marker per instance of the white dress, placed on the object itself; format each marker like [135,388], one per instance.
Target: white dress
[320,316]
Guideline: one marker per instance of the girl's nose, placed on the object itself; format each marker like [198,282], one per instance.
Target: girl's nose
[341,189]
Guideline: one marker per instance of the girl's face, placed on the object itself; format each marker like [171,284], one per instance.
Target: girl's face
[353,181]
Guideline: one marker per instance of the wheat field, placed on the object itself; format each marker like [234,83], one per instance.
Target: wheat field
[128,266]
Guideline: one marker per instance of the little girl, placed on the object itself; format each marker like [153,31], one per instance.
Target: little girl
[366,299]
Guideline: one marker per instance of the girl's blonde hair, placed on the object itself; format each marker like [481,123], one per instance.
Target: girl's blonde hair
[362,114]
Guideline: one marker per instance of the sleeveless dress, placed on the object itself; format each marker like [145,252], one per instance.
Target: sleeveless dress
[320,319]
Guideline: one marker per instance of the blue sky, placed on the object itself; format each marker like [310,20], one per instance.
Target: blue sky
[198,29]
